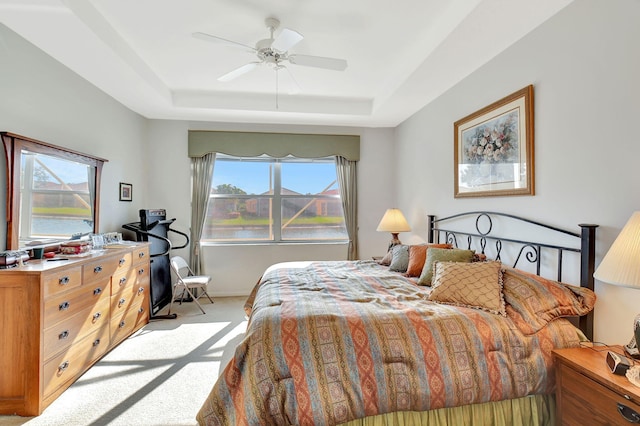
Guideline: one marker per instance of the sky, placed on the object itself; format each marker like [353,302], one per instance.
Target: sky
[253,178]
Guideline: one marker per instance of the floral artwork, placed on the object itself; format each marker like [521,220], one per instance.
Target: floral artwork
[494,148]
[493,142]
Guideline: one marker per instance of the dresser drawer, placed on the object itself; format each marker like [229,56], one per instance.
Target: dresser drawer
[584,398]
[62,280]
[87,321]
[99,269]
[130,298]
[69,364]
[131,317]
[123,282]
[66,305]
[140,255]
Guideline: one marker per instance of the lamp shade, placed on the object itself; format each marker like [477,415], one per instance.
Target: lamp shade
[621,264]
[393,221]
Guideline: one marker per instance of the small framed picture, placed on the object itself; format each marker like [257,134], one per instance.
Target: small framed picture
[126,192]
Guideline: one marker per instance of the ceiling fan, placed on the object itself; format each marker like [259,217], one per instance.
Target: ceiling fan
[274,52]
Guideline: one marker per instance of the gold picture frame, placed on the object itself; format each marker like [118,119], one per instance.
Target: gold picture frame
[493,149]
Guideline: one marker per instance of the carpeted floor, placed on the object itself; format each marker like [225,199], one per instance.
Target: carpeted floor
[159,376]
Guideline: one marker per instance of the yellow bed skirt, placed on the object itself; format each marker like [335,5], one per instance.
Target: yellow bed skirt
[534,410]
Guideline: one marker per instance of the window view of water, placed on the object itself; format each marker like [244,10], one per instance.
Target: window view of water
[290,233]
[59,226]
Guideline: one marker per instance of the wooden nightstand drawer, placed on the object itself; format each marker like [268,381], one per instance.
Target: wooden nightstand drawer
[587,393]
[583,398]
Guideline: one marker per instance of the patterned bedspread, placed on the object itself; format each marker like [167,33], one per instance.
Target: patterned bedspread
[329,342]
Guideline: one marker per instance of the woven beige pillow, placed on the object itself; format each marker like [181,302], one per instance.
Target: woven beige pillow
[472,285]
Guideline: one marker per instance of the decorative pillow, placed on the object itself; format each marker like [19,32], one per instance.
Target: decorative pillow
[417,257]
[534,301]
[386,260]
[399,258]
[443,255]
[471,285]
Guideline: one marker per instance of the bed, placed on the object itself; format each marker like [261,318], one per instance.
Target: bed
[358,343]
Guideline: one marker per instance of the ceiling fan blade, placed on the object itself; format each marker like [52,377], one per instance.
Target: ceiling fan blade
[238,72]
[216,39]
[319,62]
[286,40]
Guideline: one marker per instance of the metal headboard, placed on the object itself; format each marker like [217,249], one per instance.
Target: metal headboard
[529,251]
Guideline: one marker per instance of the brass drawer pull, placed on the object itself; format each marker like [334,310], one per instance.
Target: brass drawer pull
[141,290]
[629,414]
[63,280]
[123,280]
[122,324]
[63,335]
[122,261]
[140,271]
[97,269]
[96,316]
[97,291]
[64,306]
[63,366]
[122,302]
[141,254]
[141,310]
[96,342]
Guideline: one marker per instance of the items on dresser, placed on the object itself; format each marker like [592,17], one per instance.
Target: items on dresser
[59,318]
[12,258]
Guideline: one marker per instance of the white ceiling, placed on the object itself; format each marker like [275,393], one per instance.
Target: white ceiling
[401,54]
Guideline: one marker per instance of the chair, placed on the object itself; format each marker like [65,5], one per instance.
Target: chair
[187,282]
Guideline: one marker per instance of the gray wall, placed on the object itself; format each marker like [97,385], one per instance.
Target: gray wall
[41,99]
[584,66]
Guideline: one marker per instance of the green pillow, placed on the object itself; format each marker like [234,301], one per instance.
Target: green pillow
[442,255]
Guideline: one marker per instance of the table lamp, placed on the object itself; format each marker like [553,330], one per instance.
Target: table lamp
[621,266]
[393,221]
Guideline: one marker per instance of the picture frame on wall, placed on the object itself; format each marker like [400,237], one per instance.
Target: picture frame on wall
[493,149]
[126,192]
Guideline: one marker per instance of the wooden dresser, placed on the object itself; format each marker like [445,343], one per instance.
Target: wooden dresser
[59,317]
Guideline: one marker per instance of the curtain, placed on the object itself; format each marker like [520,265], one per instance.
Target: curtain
[278,145]
[201,174]
[347,179]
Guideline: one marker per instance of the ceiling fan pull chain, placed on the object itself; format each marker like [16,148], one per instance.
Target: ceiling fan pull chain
[277,88]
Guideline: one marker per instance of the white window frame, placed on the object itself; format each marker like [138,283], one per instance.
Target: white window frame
[276,197]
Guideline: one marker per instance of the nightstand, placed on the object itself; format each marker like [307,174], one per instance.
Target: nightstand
[588,393]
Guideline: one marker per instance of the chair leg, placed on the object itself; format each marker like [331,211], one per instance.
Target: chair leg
[195,299]
[173,295]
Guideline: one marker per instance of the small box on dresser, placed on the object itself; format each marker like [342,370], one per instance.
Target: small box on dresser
[588,393]
[59,318]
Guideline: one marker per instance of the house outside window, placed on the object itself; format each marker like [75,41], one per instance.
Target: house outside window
[265,199]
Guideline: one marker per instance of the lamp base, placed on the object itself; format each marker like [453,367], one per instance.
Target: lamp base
[394,241]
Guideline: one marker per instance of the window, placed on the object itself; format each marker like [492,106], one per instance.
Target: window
[276,200]
[54,196]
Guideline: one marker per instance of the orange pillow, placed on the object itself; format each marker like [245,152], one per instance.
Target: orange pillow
[417,257]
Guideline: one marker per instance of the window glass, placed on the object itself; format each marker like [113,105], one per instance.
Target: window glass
[267,199]
[55,198]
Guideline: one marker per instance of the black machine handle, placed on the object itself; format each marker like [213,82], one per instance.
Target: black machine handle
[137,228]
